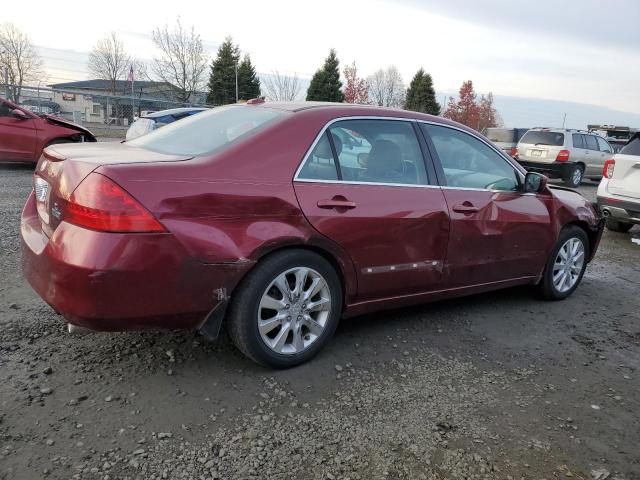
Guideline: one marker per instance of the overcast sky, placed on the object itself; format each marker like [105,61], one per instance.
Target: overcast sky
[582,51]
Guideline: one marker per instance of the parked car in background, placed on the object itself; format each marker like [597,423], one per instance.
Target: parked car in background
[259,215]
[619,190]
[564,153]
[506,139]
[616,135]
[151,121]
[24,134]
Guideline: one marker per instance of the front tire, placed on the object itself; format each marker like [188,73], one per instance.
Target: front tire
[616,226]
[566,264]
[286,309]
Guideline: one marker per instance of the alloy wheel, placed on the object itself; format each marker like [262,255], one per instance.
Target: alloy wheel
[577,176]
[568,264]
[294,310]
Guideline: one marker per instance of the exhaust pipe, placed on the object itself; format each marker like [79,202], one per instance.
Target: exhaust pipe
[76,330]
[606,213]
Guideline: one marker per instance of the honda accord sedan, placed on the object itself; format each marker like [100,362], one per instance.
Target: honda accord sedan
[261,217]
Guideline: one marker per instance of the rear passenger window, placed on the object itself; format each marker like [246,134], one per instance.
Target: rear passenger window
[320,164]
[632,148]
[604,146]
[379,151]
[591,142]
[577,141]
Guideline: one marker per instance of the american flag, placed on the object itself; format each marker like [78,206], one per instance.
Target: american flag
[130,77]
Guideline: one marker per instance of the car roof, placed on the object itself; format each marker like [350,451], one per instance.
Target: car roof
[173,111]
[562,130]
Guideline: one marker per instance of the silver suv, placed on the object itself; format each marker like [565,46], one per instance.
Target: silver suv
[564,153]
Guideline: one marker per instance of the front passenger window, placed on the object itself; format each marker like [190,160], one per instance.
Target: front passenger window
[470,163]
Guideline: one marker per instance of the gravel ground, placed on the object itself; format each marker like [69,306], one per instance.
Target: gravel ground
[501,385]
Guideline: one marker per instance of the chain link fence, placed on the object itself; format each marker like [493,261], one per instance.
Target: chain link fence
[97,109]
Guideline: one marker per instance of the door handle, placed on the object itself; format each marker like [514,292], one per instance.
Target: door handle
[336,203]
[465,208]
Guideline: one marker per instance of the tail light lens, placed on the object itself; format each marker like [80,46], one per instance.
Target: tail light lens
[99,203]
[563,156]
[513,152]
[609,166]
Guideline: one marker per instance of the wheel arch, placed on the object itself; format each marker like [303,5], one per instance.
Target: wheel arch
[592,235]
[342,266]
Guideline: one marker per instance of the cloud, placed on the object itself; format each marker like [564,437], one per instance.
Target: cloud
[613,23]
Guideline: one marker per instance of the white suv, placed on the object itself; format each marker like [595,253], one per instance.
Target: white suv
[619,190]
[564,153]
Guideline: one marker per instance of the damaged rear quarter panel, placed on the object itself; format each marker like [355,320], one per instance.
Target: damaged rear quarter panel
[234,207]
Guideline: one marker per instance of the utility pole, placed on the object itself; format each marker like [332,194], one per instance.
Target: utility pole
[236,82]
[564,119]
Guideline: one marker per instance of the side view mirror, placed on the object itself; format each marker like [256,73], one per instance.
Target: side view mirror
[19,114]
[534,182]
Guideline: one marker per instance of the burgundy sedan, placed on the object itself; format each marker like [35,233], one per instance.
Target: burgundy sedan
[281,219]
[23,134]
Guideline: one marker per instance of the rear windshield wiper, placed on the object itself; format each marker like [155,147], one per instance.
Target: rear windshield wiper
[541,143]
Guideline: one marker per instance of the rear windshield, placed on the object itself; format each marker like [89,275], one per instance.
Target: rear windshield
[632,148]
[209,131]
[506,135]
[536,137]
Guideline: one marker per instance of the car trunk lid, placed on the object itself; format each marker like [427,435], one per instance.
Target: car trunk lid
[61,168]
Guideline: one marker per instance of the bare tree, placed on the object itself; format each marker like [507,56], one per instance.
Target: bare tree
[278,87]
[182,60]
[108,60]
[386,88]
[20,59]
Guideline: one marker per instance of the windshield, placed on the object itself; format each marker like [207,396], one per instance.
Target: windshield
[208,131]
[536,137]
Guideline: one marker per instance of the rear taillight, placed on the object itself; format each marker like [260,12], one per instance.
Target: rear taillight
[563,156]
[101,204]
[513,152]
[609,166]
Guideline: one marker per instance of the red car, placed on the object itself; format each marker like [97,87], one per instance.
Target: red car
[23,134]
[261,216]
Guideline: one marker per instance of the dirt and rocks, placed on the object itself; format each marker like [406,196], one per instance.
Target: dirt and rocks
[501,385]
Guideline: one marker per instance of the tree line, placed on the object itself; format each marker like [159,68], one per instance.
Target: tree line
[181,62]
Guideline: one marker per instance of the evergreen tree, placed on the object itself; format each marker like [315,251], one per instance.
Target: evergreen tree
[248,81]
[325,85]
[421,97]
[222,79]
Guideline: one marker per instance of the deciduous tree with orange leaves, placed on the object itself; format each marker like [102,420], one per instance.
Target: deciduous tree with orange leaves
[477,114]
[356,89]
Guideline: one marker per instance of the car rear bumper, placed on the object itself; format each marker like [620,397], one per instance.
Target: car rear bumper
[553,169]
[112,281]
[623,210]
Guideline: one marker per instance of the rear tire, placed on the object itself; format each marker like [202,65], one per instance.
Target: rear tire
[568,261]
[574,177]
[275,322]
[617,226]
